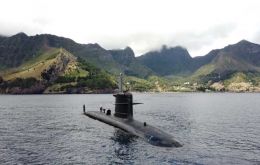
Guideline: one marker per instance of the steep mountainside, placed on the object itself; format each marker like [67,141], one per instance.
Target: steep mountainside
[17,49]
[245,50]
[52,64]
[129,64]
[55,71]
[243,56]
[168,61]
[2,38]
[123,56]
[199,61]
[59,61]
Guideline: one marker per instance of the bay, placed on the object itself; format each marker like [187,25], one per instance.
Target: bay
[214,128]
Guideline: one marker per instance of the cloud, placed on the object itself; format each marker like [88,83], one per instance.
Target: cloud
[145,25]
[194,41]
[198,42]
[11,28]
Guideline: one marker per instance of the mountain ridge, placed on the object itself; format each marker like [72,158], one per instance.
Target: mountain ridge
[16,49]
[159,69]
[244,54]
[56,71]
[173,59]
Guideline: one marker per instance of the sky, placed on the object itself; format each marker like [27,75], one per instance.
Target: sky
[144,25]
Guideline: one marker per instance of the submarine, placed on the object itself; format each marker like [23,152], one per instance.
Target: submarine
[124,120]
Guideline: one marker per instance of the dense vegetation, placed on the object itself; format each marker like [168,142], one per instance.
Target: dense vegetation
[51,64]
[57,71]
[168,61]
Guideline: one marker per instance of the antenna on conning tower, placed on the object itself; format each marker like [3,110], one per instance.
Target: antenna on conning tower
[120,83]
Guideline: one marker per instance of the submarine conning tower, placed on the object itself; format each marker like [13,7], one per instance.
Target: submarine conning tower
[124,101]
[124,105]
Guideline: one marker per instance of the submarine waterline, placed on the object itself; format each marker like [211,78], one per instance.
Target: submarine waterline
[123,119]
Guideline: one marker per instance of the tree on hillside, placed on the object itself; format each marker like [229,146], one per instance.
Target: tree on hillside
[48,74]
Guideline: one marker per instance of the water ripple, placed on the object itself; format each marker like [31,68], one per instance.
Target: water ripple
[50,129]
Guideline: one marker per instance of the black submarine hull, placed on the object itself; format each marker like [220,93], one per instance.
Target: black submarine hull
[149,133]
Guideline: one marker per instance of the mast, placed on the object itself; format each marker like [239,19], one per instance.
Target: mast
[123,102]
[120,83]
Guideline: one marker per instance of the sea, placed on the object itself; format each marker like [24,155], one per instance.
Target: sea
[214,128]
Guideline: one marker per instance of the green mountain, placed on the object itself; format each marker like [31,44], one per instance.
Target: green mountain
[17,49]
[243,56]
[52,64]
[168,61]
[199,61]
[232,68]
[129,64]
[56,70]
[2,38]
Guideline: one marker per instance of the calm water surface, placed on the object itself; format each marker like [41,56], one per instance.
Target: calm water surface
[50,129]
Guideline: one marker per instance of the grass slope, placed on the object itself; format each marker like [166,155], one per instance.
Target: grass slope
[37,65]
[33,67]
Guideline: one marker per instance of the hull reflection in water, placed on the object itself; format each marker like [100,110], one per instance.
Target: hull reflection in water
[124,143]
[123,138]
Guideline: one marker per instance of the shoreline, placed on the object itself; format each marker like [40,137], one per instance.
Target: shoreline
[145,92]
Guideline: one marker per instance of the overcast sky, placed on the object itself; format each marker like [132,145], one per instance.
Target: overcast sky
[198,25]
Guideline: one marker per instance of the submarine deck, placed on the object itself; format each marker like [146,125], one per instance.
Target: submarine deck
[151,134]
